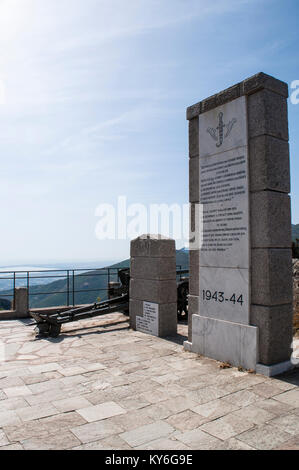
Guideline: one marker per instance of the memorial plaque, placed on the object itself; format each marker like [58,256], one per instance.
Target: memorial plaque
[224,196]
[149,323]
[223,187]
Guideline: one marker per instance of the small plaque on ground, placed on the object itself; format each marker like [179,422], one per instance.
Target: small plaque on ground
[149,323]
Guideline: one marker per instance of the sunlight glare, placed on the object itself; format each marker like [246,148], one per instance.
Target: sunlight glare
[13,15]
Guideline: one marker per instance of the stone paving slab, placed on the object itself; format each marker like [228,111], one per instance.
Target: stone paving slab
[147,433]
[101,385]
[228,426]
[102,411]
[265,437]
[198,439]
[292,444]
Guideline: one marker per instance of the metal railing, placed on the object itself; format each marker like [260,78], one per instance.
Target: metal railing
[71,284]
[181,273]
[70,291]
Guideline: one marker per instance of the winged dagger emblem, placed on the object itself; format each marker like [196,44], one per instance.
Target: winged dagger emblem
[218,134]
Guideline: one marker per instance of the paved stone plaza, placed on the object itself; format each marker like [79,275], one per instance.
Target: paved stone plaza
[101,385]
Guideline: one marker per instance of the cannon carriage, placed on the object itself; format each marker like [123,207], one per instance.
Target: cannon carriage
[119,297]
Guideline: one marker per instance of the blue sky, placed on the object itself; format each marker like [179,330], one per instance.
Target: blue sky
[93,105]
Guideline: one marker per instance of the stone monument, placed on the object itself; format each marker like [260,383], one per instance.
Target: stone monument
[153,292]
[240,303]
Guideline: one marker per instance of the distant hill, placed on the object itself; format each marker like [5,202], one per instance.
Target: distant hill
[89,286]
[5,304]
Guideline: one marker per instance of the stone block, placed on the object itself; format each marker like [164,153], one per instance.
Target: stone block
[153,268]
[275,369]
[193,111]
[224,341]
[194,195]
[148,290]
[270,220]
[194,179]
[260,81]
[269,164]
[153,245]
[168,319]
[228,95]
[271,276]
[193,138]
[267,114]
[275,332]
[209,103]
[251,85]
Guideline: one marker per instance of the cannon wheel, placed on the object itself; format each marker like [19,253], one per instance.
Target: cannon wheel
[48,329]
[183,292]
[54,330]
[42,329]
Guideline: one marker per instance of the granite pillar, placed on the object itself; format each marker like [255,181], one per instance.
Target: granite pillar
[241,276]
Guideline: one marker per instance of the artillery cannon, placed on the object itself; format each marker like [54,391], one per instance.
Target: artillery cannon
[50,324]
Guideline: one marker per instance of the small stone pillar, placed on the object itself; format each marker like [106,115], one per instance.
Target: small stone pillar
[21,306]
[153,289]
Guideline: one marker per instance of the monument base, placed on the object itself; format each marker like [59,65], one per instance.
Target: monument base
[275,369]
[224,341]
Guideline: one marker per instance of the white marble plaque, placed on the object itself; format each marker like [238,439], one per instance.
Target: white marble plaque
[224,294]
[225,341]
[223,128]
[224,195]
[149,323]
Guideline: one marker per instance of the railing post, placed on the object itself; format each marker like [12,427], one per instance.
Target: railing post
[14,287]
[73,287]
[68,288]
[28,287]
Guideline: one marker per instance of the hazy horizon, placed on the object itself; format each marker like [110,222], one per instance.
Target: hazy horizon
[61,263]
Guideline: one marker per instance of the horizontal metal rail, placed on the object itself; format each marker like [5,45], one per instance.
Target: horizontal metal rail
[25,278]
